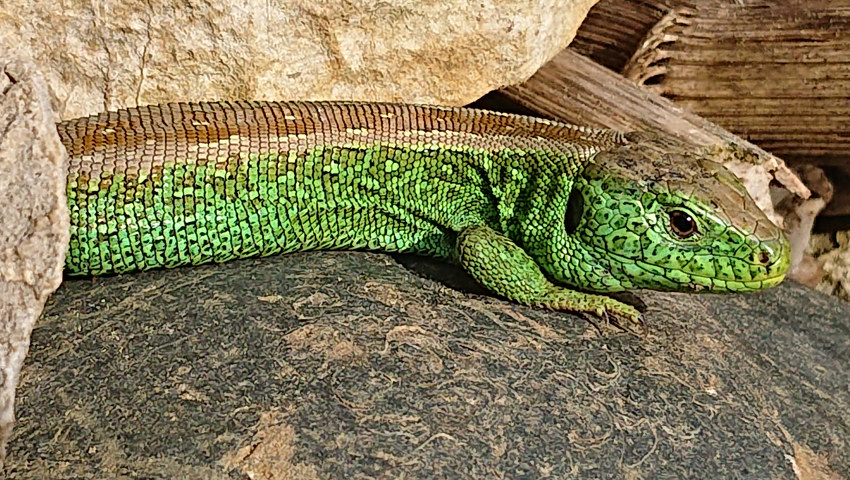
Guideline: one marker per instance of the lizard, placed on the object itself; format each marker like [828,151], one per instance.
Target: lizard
[542,213]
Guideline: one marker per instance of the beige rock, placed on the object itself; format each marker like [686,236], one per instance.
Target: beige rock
[833,255]
[34,224]
[114,53]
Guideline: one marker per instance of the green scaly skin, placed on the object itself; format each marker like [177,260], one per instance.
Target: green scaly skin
[518,202]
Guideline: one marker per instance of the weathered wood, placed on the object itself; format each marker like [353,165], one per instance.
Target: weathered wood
[613,29]
[575,89]
[776,73]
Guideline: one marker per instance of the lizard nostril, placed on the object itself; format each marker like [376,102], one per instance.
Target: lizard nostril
[764,258]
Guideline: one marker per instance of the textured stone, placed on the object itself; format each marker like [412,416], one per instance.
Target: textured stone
[832,252]
[34,223]
[346,365]
[112,54]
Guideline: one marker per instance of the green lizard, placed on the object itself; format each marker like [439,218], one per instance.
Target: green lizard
[528,207]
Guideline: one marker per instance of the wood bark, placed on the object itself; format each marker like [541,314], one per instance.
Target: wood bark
[574,89]
[613,29]
[776,73]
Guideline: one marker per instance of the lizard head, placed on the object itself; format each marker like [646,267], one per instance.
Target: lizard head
[649,218]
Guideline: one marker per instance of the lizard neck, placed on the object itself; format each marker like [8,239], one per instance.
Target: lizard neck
[540,215]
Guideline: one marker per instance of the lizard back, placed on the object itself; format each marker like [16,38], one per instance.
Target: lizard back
[178,184]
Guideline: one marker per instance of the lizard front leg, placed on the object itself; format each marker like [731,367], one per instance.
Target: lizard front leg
[504,268]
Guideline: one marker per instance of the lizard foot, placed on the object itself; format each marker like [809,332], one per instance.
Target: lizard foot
[499,264]
[613,312]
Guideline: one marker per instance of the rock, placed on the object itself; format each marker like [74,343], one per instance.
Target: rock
[347,365]
[114,53]
[34,224]
[832,252]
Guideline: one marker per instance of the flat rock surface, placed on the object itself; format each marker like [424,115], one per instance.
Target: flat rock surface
[349,365]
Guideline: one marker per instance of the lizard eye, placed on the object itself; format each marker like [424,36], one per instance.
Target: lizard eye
[682,224]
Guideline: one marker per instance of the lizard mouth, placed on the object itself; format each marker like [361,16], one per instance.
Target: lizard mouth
[772,276]
[720,285]
[767,269]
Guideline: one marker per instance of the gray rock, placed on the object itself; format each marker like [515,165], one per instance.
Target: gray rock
[348,365]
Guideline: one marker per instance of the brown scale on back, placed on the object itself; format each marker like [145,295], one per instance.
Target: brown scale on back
[155,133]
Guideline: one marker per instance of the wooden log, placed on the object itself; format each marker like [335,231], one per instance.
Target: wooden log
[776,73]
[613,29]
[574,89]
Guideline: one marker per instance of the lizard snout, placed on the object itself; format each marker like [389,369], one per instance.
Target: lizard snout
[773,255]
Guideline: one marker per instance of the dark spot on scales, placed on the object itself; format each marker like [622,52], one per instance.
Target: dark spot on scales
[575,209]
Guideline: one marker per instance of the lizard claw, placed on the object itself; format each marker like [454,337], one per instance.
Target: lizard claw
[628,319]
[609,310]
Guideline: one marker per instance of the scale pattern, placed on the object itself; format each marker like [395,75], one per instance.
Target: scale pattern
[183,184]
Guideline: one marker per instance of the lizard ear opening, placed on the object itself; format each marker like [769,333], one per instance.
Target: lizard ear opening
[575,210]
